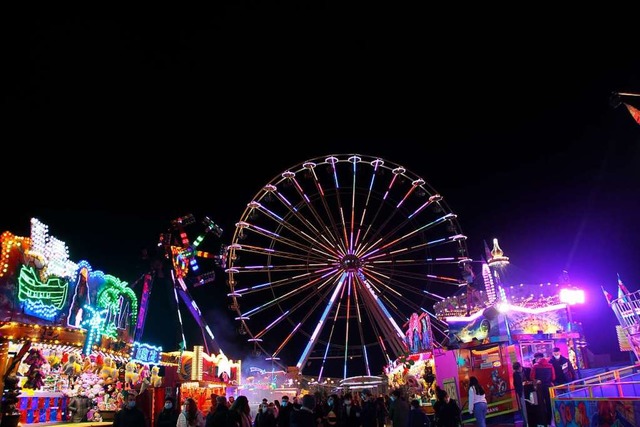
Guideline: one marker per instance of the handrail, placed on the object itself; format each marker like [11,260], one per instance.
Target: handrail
[616,378]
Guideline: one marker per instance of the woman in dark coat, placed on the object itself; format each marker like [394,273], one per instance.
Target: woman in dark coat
[168,417]
[447,411]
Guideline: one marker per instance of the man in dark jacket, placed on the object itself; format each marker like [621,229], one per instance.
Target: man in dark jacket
[417,418]
[399,408]
[218,417]
[130,415]
[284,414]
[304,417]
[168,417]
[518,385]
[350,412]
[368,415]
[564,370]
[543,374]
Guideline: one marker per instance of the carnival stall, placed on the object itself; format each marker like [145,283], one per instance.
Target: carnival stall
[198,375]
[274,383]
[65,330]
[493,325]
[415,371]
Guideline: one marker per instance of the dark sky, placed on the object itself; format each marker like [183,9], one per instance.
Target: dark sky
[117,127]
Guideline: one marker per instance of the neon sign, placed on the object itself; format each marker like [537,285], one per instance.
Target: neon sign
[145,354]
[43,299]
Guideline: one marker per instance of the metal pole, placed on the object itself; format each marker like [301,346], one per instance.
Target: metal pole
[573,342]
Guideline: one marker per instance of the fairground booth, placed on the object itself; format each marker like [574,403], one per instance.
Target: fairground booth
[66,330]
[493,325]
[415,372]
[70,337]
[198,375]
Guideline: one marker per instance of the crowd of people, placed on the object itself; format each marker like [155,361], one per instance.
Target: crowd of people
[532,385]
[347,410]
[363,409]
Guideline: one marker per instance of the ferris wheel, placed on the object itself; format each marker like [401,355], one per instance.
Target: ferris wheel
[332,257]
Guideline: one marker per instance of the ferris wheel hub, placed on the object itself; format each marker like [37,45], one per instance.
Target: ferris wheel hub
[351,262]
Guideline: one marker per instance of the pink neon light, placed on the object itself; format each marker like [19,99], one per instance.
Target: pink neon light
[572,296]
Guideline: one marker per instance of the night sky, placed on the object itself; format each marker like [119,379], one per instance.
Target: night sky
[115,128]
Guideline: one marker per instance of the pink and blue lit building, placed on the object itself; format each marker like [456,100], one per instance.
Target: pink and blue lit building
[496,324]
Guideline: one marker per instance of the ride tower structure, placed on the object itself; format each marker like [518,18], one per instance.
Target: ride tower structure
[187,270]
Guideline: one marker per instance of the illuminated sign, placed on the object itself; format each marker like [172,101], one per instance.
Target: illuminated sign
[53,250]
[146,354]
[42,299]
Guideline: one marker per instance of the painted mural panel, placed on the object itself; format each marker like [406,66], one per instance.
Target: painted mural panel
[549,322]
[601,413]
[478,329]
[490,366]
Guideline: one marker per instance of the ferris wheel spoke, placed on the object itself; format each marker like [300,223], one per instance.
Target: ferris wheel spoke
[409,217]
[341,230]
[395,242]
[287,282]
[394,298]
[378,314]
[405,263]
[353,226]
[284,221]
[363,231]
[382,201]
[321,323]
[381,331]
[393,275]
[373,248]
[308,285]
[289,242]
[291,311]
[332,231]
[284,255]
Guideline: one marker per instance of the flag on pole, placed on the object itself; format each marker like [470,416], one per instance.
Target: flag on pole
[621,295]
[487,251]
[635,113]
[622,287]
[607,295]
[622,291]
